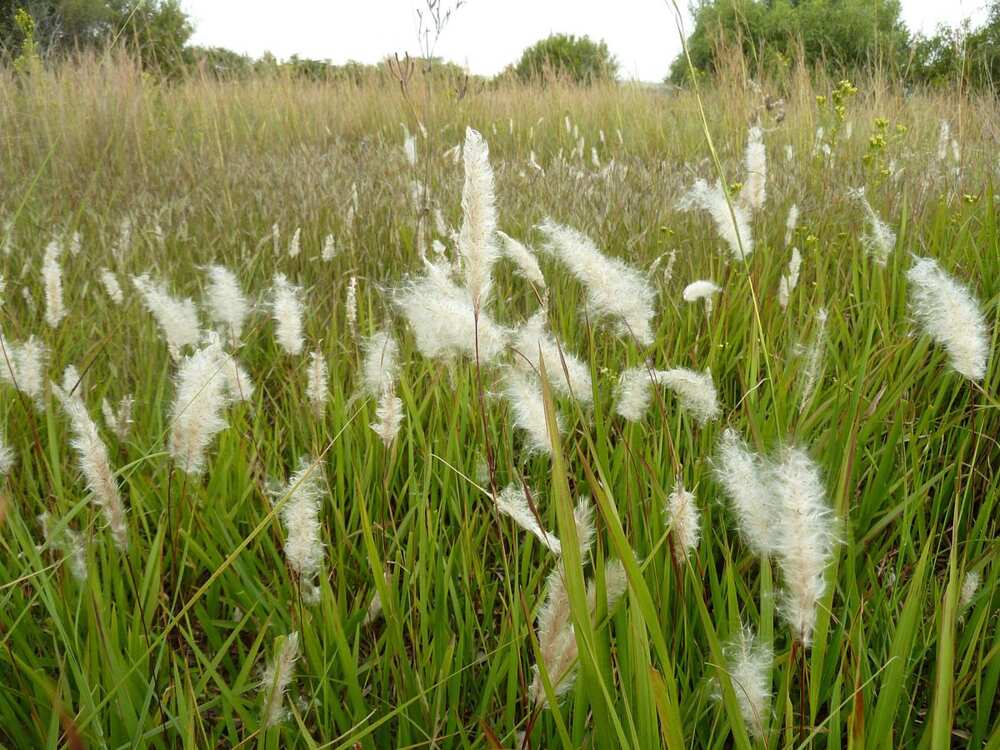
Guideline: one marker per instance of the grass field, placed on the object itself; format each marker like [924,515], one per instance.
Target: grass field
[165,641]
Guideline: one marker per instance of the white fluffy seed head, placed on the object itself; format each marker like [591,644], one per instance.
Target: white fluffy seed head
[351,306]
[7,457]
[202,391]
[295,244]
[120,421]
[879,239]
[329,249]
[615,290]
[286,309]
[812,360]
[754,191]
[970,587]
[513,503]
[276,679]
[525,263]
[476,240]
[685,523]
[805,537]
[695,392]
[535,344]
[732,221]
[442,317]
[317,386]
[790,279]
[301,499]
[23,366]
[524,394]
[388,415]
[55,310]
[748,661]
[633,394]
[92,455]
[111,286]
[744,479]
[791,222]
[227,305]
[949,313]
[176,317]
[701,289]
[380,365]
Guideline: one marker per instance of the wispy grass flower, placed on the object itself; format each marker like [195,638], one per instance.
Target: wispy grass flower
[388,415]
[949,313]
[748,661]
[879,239]
[569,375]
[304,552]
[524,394]
[202,392]
[317,385]
[23,366]
[790,279]
[615,290]
[476,238]
[55,309]
[381,363]
[731,220]
[111,286]
[227,305]
[118,421]
[754,190]
[276,679]
[525,263]
[685,522]
[177,317]
[286,309]
[744,477]
[92,455]
[703,289]
[513,503]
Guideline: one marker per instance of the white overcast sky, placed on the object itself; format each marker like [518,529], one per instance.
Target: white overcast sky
[483,35]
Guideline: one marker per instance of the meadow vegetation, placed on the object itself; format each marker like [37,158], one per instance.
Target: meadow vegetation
[354,487]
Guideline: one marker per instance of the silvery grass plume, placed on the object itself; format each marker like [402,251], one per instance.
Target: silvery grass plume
[731,220]
[744,479]
[971,582]
[286,309]
[476,241]
[790,223]
[949,313]
[944,140]
[388,415]
[317,385]
[374,610]
[301,499]
[23,366]
[703,289]
[55,310]
[92,456]
[442,317]
[615,290]
[668,270]
[694,390]
[7,244]
[380,364]
[410,148]
[351,306]
[556,637]
[206,383]
[878,239]
[276,679]
[790,279]
[295,244]
[804,538]
[123,245]
[524,394]
[111,286]
[812,360]
[329,251]
[7,457]
[177,318]
[513,503]
[685,524]
[227,305]
[748,662]
[754,190]
[120,421]
[69,543]
[525,264]
[276,237]
[535,344]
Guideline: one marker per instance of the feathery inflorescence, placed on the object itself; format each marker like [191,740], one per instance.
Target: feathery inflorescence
[695,392]
[204,387]
[317,385]
[227,305]
[744,478]
[476,238]
[55,310]
[92,455]
[513,503]
[947,310]
[634,394]
[615,290]
[442,317]
[7,457]
[388,415]
[524,394]
[754,191]
[812,360]
[525,262]
[110,283]
[177,318]
[276,679]
[380,365]
[703,289]
[791,221]
[685,524]
[286,309]
[732,221]
[120,421]
[301,499]
[790,279]
[568,375]
[879,240]
[23,366]
[748,661]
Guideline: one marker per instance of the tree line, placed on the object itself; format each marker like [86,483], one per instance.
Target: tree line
[839,36]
